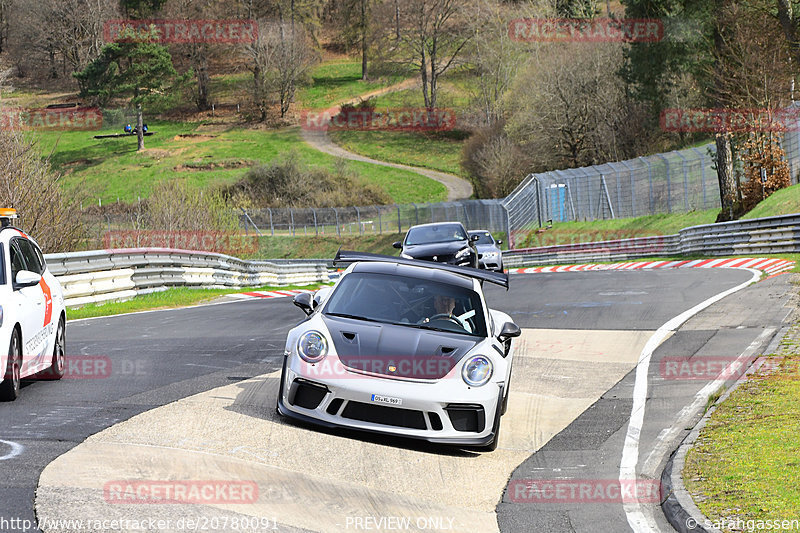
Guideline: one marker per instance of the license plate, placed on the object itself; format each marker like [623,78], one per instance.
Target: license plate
[377,398]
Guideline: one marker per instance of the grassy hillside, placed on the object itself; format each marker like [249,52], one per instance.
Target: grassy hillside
[205,155]
[782,202]
[338,81]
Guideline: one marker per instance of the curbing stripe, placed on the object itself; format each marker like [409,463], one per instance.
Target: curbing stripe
[766,265]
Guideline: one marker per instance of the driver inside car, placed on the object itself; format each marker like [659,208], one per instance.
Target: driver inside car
[444,309]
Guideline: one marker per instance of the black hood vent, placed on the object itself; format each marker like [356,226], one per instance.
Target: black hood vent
[397,351]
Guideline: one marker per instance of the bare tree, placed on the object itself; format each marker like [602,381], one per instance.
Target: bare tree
[5,7]
[280,60]
[568,106]
[69,31]
[434,36]
[752,70]
[495,59]
[28,184]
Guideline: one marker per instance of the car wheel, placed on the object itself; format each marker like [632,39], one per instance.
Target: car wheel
[280,388]
[59,359]
[505,396]
[9,388]
[492,446]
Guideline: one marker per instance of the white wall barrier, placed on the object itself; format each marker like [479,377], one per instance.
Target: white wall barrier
[103,275]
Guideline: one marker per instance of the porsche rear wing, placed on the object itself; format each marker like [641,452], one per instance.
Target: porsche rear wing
[345,256]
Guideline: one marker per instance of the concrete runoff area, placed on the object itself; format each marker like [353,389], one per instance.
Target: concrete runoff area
[233,433]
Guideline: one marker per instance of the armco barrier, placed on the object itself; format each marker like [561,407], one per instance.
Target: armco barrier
[98,276]
[768,235]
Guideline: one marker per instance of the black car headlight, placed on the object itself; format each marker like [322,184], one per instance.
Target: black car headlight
[477,371]
[463,253]
[312,347]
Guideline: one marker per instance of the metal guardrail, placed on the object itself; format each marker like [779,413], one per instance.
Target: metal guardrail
[768,235]
[103,275]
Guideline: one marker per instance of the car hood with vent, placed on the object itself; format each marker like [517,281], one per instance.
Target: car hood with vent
[395,350]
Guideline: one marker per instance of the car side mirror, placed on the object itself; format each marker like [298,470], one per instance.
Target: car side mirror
[474,238]
[509,331]
[397,244]
[498,241]
[304,301]
[26,278]
[320,296]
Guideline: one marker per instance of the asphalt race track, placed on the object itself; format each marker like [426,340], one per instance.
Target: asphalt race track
[190,395]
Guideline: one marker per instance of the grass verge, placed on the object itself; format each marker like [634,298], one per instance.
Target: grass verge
[168,299]
[746,462]
[619,228]
[324,247]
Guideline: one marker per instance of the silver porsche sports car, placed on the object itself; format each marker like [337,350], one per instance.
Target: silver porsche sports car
[402,347]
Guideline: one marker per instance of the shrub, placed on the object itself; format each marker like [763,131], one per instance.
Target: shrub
[28,184]
[287,183]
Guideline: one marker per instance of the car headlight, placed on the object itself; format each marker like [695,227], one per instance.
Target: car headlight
[477,371]
[312,347]
[405,256]
[463,253]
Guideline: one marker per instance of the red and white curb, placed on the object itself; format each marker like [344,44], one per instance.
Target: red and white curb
[267,294]
[769,266]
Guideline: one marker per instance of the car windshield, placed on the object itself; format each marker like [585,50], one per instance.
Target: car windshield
[485,237]
[436,233]
[408,301]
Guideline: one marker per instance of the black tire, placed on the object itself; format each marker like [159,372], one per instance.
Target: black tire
[59,359]
[492,446]
[280,387]
[9,388]
[506,394]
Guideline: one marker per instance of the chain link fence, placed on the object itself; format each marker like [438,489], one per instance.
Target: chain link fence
[677,181]
[395,219]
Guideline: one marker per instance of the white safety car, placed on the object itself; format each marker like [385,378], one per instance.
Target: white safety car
[32,314]
[402,347]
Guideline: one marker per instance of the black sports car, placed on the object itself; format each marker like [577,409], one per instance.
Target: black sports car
[441,242]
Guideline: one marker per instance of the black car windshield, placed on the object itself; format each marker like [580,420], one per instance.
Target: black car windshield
[485,237]
[408,301]
[435,233]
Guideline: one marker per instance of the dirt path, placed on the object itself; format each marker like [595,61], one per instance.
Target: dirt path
[457,188]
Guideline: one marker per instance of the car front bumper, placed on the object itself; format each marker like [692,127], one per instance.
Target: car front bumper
[445,411]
